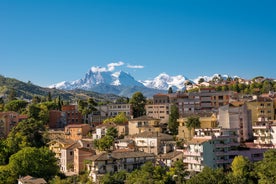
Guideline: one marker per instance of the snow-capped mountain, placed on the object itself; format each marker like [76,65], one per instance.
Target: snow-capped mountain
[94,78]
[164,81]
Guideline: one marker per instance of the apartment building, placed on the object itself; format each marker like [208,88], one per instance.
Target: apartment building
[236,116]
[207,120]
[264,133]
[116,161]
[211,147]
[154,142]
[76,131]
[142,124]
[8,120]
[73,116]
[261,107]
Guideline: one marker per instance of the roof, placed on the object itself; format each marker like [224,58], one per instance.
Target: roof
[147,134]
[170,155]
[143,118]
[198,140]
[120,155]
[32,180]
[76,125]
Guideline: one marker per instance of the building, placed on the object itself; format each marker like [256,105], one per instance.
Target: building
[142,124]
[116,161]
[31,180]
[261,107]
[80,155]
[154,142]
[264,133]
[207,120]
[57,119]
[8,120]
[170,158]
[211,147]
[73,116]
[76,131]
[231,116]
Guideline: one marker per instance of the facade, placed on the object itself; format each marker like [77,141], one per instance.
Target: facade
[239,117]
[207,120]
[76,131]
[211,147]
[168,159]
[73,116]
[116,161]
[80,155]
[57,119]
[261,107]
[154,142]
[264,133]
[158,111]
[142,124]
[8,120]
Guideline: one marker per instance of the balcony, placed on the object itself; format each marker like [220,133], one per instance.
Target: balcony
[192,161]
[188,153]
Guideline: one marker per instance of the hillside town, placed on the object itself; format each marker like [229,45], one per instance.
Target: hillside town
[210,127]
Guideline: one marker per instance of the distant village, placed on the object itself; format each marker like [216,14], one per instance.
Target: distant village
[211,128]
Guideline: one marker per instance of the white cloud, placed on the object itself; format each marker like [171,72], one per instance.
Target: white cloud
[135,66]
[111,66]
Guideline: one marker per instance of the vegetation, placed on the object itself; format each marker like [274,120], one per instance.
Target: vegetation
[118,119]
[138,102]
[173,124]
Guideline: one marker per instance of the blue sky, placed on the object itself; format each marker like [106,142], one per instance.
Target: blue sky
[46,42]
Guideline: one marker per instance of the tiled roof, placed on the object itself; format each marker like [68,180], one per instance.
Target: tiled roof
[76,125]
[170,155]
[120,155]
[153,135]
[31,180]
[198,140]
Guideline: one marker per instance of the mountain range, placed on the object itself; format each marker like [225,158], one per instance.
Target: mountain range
[123,84]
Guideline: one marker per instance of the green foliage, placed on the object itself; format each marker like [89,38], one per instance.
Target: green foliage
[118,178]
[266,169]
[138,102]
[170,90]
[104,143]
[118,119]
[37,162]
[208,176]
[192,122]
[27,133]
[16,106]
[112,131]
[173,124]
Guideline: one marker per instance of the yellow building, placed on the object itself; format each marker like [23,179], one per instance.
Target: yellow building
[206,121]
[261,108]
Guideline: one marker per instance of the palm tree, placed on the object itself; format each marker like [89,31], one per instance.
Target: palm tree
[192,123]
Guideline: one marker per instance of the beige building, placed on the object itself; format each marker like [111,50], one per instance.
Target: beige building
[154,142]
[142,124]
[261,107]
[116,161]
[76,131]
[207,120]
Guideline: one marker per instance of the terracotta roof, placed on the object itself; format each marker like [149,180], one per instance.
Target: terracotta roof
[170,155]
[76,125]
[120,155]
[198,140]
[154,135]
[32,180]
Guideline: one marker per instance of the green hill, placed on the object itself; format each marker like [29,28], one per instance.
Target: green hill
[28,90]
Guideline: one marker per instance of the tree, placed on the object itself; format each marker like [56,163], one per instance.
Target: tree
[192,123]
[12,94]
[170,91]
[37,162]
[28,133]
[138,102]
[241,171]
[266,169]
[118,119]
[201,80]
[173,124]
[178,172]
[104,143]
[16,106]
[112,131]
[118,178]
[49,97]
[208,176]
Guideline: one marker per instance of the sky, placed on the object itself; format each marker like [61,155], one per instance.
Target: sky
[47,42]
